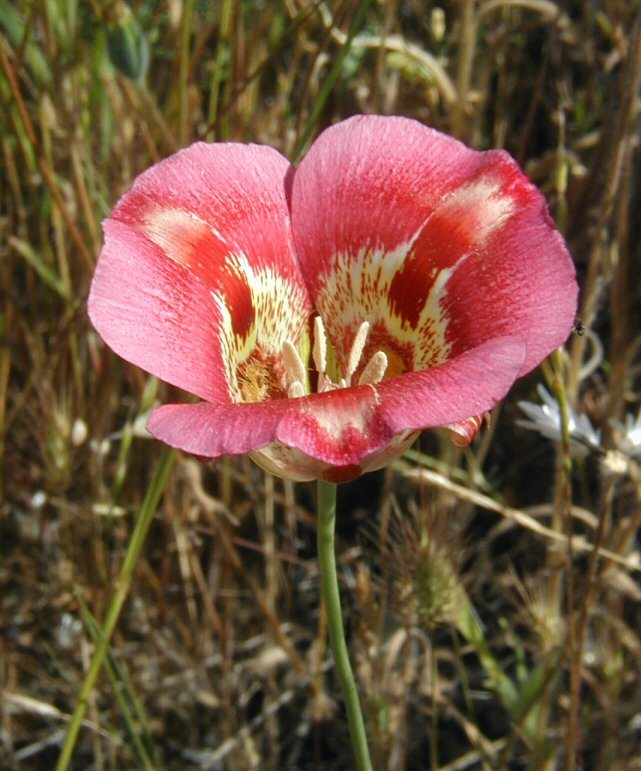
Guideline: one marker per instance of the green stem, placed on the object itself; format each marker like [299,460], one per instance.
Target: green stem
[143,522]
[183,72]
[329,586]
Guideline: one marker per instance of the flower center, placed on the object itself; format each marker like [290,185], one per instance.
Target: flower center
[296,372]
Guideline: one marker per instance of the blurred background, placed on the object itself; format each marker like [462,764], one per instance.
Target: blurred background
[491,594]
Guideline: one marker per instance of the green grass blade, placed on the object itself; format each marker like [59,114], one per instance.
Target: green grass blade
[118,677]
[145,518]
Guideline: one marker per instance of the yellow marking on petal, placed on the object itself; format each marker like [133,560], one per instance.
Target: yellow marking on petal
[358,287]
[254,380]
[281,309]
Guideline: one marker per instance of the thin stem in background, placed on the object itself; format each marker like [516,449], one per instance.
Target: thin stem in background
[138,537]
[183,73]
[224,45]
[434,703]
[128,705]
[329,586]
[47,172]
[467,44]
[328,85]
[563,510]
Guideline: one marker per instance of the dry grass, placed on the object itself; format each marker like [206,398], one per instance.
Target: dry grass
[492,595]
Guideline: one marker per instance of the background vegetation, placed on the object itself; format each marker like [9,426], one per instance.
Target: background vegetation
[492,594]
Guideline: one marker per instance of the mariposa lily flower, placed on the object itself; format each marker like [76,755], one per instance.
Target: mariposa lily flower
[325,314]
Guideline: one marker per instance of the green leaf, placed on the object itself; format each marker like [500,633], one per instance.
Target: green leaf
[127,45]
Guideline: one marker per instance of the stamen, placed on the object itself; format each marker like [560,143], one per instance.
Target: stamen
[296,371]
[357,349]
[296,390]
[320,346]
[374,370]
[293,364]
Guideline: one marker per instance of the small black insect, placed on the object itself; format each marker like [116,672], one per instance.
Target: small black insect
[579,326]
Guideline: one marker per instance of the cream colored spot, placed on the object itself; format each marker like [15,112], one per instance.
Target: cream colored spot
[480,206]
[178,233]
[334,424]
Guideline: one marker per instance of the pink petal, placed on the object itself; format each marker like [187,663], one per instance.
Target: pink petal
[438,246]
[338,428]
[370,181]
[211,199]
[156,314]
[522,282]
[348,429]
[359,197]
[208,227]
[463,387]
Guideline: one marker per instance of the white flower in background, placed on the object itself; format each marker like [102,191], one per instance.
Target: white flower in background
[546,419]
[629,439]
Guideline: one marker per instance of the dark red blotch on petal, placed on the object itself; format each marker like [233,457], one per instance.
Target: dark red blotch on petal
[238,297]
[446,237]
[409,289]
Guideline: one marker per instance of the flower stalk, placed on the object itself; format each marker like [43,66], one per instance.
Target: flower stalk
[326,504]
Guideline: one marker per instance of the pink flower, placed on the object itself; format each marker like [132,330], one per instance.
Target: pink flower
[396,280]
